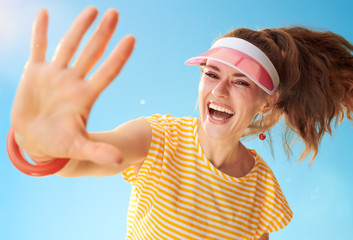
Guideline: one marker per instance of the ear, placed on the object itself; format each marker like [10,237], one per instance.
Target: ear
[269,102]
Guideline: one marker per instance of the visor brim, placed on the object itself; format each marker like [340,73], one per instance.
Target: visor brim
[240,62]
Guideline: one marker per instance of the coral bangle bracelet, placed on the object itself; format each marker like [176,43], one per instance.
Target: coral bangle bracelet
[37,170]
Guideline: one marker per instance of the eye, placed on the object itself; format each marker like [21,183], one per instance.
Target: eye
[241,82]
[211,75]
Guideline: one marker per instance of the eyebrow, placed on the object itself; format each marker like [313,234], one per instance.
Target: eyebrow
[217,69]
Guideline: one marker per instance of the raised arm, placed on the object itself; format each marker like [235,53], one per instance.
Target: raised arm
[54,99]
[132,138]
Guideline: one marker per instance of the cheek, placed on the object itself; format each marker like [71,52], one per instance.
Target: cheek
[201,95]
[201,89]
[204,91]
[201,85]
[205,87]
[249,102]
[257,106]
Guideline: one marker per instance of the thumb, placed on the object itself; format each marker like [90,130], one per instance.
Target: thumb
[99,152]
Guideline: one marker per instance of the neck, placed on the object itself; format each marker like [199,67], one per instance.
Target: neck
[221,152]
[227,155]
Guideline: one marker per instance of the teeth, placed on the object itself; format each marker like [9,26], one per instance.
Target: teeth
[219,119]
[221,109]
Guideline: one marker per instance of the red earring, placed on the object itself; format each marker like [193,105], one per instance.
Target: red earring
[262,135]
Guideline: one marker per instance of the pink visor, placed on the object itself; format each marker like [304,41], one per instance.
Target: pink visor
[244,57]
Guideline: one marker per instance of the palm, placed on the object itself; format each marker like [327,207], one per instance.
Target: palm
[54,100]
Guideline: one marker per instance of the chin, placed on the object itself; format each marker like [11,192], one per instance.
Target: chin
[215,131]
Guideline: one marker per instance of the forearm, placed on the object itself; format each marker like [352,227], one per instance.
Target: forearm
[82,168]
[132,138]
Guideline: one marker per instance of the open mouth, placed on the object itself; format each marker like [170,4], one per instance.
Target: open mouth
[219,113]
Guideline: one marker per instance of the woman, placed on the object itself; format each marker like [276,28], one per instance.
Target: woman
[192,178]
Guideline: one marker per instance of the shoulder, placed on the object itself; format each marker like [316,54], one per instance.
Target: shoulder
[267,177]
[168,118]
[168,121]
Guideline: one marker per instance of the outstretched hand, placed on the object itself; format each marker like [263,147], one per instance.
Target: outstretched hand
[53,100]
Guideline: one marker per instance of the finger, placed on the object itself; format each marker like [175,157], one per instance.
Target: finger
[98,152]
[70,42]
[97,44]
[39,36]
[106,73]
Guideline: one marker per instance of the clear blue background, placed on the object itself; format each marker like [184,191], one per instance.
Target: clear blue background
[155,80]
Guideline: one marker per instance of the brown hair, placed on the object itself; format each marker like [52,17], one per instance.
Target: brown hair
[316,81]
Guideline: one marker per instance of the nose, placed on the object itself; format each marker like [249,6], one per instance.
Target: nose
[221,89]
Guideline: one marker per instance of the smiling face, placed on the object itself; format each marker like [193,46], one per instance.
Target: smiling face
[228,101]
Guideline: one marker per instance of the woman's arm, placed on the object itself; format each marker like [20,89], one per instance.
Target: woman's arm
[264,236]
[133,138]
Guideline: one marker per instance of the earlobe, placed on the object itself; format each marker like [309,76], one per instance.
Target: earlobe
[275,97]
[265,109]
[270,102]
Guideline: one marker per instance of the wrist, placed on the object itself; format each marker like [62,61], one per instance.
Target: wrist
[37,158]
[18,159]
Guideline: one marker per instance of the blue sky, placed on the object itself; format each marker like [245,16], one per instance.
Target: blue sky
[155,80]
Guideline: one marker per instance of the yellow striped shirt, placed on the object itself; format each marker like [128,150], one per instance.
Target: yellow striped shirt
[179,194]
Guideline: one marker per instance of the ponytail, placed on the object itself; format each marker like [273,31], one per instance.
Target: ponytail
[316,82]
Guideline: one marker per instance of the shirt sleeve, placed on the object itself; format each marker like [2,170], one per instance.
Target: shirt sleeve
[275,211]
[282,218]
[156,150]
